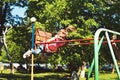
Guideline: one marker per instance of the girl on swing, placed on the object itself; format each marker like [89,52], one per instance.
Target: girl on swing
[50,46]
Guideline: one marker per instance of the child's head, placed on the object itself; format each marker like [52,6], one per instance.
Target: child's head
[62,33]
[114,37]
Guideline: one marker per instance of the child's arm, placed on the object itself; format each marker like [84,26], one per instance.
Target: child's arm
[50,40]
[53,39]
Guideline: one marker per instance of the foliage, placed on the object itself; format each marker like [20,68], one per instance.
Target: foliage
[86,15]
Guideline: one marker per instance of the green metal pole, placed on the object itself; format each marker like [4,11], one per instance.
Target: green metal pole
[112,54]
[91,68]
[96,49]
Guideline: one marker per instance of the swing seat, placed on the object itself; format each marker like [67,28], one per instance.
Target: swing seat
[41,36]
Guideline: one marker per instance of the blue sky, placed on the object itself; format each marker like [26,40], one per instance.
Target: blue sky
[18,15]
[20,11]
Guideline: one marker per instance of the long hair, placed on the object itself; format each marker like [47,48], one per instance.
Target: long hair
[66,31]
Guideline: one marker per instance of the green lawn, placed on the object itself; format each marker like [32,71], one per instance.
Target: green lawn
[51,76]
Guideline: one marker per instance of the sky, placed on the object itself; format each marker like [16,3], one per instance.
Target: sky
[16,14]
[19,11]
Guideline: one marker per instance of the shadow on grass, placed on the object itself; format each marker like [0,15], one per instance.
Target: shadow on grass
[28,77]
[53,78]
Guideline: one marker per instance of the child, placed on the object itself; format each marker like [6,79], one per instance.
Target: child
[51,46]
[115,48]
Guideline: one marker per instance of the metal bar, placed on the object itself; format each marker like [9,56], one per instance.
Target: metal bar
[32,61]
[112,54]
[91,68]
[96,49]
[82,43]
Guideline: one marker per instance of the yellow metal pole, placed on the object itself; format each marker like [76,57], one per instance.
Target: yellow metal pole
[32,74]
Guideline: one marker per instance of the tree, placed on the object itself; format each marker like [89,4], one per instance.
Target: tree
[86,15]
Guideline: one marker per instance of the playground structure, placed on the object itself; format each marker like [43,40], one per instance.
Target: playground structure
[97,45]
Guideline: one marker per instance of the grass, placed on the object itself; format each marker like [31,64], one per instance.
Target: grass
[105,76]
[38,76]
[52,76]
[108,76]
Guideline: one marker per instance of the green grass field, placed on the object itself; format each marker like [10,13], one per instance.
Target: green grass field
[51,76]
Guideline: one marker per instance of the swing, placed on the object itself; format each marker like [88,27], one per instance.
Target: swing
[41,36]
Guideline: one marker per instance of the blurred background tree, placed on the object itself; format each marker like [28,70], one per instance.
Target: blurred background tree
[86,15]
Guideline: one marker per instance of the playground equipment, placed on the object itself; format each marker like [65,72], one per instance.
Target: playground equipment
[41,36]
[33,20]
[97,44]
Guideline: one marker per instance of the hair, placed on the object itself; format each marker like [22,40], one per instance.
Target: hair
[63,31]
[67,30]
[70,28]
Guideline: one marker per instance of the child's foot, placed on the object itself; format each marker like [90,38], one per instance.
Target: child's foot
[27,54]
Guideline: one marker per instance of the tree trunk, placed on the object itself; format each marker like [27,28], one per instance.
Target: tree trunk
[7,52]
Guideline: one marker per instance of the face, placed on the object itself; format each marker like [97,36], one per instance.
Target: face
[62,33]
[114,37]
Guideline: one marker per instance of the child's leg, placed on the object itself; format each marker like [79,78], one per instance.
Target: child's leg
[38,50]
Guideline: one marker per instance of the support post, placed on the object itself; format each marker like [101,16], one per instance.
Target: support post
[33,20]
[96,50]
[92,65]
